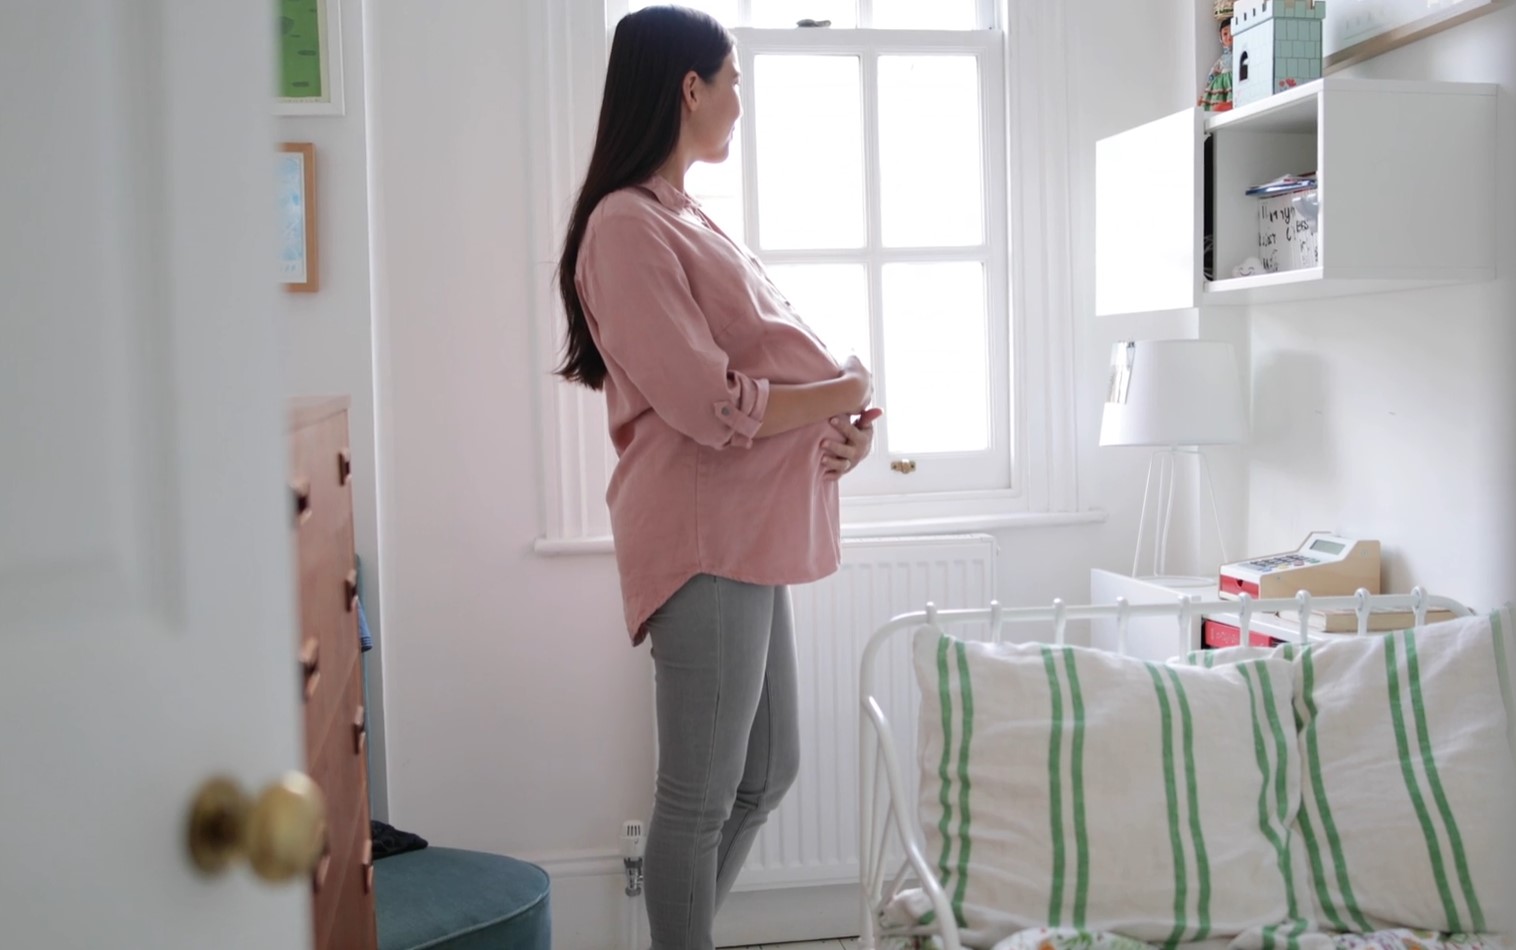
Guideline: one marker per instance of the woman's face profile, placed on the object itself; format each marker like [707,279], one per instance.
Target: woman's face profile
[712,110]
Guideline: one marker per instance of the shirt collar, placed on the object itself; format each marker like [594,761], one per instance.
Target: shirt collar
[667,195]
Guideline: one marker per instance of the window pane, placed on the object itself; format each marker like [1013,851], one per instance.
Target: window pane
[718,188]
[833,300]
[936,357]
[723,10]
[779,13]
[810,151]
[932,191]
[926,15]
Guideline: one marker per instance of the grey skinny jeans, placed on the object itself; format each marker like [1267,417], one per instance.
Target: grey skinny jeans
[728,745]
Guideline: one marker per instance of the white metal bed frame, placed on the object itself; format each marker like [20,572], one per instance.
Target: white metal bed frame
[890,837]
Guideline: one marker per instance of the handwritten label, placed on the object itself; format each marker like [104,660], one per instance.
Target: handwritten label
[1286,238]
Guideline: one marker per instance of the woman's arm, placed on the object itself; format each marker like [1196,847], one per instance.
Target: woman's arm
[800,404]
[653,329]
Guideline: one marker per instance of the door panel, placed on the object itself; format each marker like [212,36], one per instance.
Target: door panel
[146,620]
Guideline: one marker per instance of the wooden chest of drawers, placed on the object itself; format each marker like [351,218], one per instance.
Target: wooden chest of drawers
[336,734]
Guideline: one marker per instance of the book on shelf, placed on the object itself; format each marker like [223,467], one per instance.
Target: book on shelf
[1284,184]
[1381,619]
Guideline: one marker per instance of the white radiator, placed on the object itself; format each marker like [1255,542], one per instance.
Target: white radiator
[813,837]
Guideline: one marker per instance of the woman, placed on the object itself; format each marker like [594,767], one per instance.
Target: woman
[731,423]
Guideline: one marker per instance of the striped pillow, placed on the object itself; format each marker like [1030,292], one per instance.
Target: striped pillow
[1409,792]
[1068,787]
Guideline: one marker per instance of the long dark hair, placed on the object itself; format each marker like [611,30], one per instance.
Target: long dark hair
[640,114]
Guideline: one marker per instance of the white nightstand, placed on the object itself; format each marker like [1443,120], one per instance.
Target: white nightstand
[1264,629]
[1148,638]
[1158,638]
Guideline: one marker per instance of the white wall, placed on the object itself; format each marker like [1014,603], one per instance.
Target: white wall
[518,718]
[1109,97]
[328,339]
[1391,416]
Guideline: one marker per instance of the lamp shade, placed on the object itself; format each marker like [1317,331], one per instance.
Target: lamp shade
[1173,392]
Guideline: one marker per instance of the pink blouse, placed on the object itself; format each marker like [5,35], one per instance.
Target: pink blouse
[693,332]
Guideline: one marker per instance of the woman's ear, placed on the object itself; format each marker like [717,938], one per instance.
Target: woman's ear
[689,90]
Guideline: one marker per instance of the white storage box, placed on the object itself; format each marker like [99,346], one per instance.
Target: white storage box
[1287,231]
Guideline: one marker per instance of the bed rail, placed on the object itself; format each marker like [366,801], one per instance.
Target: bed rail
[891,855]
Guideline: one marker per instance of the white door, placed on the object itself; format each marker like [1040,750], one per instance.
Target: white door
[146,605]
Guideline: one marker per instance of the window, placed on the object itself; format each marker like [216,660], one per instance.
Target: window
[953,116]
[869,174]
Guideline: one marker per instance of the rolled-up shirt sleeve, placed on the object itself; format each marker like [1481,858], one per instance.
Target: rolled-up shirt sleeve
[649,325]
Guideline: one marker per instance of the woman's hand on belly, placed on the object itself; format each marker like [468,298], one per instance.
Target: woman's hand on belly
[848,444]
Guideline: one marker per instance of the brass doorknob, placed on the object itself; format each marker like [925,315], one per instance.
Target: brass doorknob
[281,833]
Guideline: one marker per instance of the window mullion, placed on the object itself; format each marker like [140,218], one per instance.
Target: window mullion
[745,12]
[873,205]
[989,14]
[855,256]
[749,156]
[1004,379]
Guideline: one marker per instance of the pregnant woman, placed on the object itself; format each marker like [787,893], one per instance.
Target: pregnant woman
[732,424]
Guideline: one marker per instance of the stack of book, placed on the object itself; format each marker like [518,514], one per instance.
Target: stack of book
[1284,185]
[1381,619]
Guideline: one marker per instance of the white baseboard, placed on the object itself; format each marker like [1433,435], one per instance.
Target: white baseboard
[782,915]
[591,912]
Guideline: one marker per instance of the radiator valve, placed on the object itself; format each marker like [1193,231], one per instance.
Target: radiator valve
[631,855]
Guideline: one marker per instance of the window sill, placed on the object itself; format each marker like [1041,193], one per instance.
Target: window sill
[902,527]
[960,524]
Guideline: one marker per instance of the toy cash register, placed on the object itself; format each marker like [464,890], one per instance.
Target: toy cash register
[1324,565]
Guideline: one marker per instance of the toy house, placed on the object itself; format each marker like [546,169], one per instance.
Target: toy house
[1276,44]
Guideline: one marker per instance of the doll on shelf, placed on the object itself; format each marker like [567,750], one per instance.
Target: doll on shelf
[1217,94]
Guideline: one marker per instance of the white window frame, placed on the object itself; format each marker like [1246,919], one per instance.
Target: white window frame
[576,458]
[939,472]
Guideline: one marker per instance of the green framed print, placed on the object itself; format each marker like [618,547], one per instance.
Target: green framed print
[309,57]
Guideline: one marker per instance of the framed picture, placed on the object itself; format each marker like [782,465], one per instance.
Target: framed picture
[297,217]
[1356,30]
[310,57]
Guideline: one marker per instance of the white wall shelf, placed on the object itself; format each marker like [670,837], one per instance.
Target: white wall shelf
[1405,173]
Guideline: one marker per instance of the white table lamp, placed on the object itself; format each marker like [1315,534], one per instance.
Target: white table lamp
[1173,396]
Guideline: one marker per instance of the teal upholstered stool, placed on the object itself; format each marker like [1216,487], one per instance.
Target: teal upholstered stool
[460,900]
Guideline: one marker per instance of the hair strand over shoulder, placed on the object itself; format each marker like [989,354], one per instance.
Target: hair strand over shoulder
[641,111]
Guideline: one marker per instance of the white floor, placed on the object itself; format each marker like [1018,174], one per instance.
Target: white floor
[848,944]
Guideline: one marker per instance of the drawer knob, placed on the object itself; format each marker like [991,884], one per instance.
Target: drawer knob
[360,731]
[310,665]
[323,867]
[300,492]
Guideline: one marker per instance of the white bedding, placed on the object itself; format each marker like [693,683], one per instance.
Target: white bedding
[1399,939]
[1355,795]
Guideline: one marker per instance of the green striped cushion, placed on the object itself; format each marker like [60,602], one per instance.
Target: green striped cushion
[1410,791]
[1068,787]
